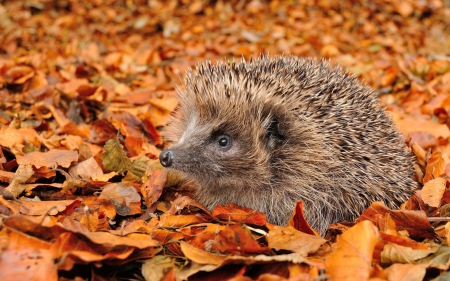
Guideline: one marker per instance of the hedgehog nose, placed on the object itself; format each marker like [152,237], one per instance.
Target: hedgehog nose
[166,158]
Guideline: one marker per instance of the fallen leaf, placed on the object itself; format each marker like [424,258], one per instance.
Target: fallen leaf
[406,272]
[23,173]
[433,191]
[233,212]
[352,258]
[200,256]
[53,158]
[288,238]
[125,198]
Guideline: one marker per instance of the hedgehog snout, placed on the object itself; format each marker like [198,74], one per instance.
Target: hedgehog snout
[166,158]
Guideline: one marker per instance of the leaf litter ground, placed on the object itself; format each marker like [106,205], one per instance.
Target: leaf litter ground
[87,86]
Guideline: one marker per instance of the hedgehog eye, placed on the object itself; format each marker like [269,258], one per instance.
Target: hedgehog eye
[224,141]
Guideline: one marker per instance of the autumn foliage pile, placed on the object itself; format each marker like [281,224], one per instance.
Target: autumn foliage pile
[86,88]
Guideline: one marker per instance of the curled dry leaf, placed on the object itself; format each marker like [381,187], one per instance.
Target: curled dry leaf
[298,220]
[288,238]
[23,173]
[352,258]
[115,159]
[433,191]
[435,167]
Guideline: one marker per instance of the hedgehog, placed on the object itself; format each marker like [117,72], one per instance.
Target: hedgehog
[272,131]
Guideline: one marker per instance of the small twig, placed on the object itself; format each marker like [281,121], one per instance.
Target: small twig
[434,219]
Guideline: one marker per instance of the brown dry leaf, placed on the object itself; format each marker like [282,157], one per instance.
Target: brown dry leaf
[151,190]
[94,220]
[53,158]
[125,198]
[352,258]
[171,221]
[406,272]
[167,104]
[140,146]
[447,231]
[70,88]
[68,94]
[20,74]
[394,253]
[200,256]
[12,206]
[424,139]
[73,129]
[232,239]
[86,170]
[289,238]
[28,258]
[299,222]
[44,207]
[415,222]
[151,130]
[114,159]
[136,240]
[395,240]
[435,167]
[6,177]
[408,125]
[13,139]
[184,201]
[420,154]
[260,261]
[164,236]
[233,212]
[433,191]
[22,175]
[157,267]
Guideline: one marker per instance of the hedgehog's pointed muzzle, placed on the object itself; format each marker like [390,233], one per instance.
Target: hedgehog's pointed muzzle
[166,158]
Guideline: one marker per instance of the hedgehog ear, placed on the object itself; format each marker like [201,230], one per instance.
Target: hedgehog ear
[273,134]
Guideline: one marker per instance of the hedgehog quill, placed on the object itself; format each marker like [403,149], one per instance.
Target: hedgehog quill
[269,132]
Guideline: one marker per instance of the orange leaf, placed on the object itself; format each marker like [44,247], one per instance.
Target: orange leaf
[298,220]
[352,259]
[200,256]
[433,191]
[125,198]
[239,214]
[52,158]
[289,238]
[410,272]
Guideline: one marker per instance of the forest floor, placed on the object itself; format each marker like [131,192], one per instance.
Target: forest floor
[86,88]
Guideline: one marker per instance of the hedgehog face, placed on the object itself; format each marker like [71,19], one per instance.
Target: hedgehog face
[222,153]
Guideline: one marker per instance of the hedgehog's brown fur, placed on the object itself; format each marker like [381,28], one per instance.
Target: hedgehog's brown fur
[299,129]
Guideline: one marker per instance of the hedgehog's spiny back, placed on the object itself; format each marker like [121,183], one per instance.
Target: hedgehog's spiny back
[336,148]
